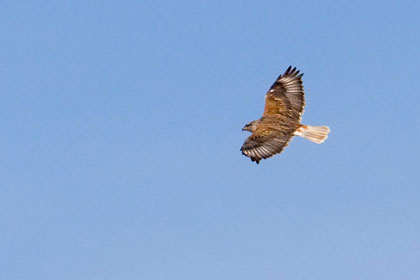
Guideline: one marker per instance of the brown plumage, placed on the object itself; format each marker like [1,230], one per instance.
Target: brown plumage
[284,105]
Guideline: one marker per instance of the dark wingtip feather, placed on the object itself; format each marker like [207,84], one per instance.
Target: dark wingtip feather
[292,71]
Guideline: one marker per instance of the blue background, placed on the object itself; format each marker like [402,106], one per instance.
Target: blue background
[120,129]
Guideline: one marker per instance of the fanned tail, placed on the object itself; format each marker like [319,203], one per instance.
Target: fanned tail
[316,134]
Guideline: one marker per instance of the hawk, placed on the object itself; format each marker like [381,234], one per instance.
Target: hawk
[284,105]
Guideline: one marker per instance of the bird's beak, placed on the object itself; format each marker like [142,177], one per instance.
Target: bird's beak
[243,129]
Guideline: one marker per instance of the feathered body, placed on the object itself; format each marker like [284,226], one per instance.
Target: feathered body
[284,106]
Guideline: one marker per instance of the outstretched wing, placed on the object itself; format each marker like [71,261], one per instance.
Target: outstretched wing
[266,141]
[285,99]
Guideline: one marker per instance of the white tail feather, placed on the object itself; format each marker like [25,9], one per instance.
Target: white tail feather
[316,134]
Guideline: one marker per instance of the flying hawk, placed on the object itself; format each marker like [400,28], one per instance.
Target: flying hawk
[284,105]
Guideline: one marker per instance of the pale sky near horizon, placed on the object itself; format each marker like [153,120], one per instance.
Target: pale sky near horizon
[121,127]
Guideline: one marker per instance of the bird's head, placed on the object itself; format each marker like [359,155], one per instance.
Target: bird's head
[251,127]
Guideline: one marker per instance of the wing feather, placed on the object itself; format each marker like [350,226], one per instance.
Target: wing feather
[265,142]
[286,96]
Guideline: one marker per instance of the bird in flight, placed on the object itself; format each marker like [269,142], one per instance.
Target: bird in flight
[284,106]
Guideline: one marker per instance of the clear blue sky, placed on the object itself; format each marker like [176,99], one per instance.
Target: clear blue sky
[120,129]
